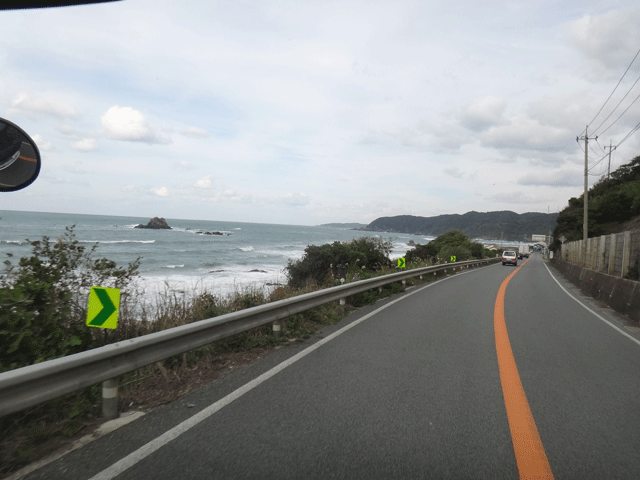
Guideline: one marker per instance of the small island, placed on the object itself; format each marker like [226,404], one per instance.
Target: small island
[156,223]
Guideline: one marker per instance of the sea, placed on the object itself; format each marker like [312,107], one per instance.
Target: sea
[185,259]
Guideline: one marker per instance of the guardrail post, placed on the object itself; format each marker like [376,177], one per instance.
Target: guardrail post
[110,398]
[343,301]
[276,328]
[404,283]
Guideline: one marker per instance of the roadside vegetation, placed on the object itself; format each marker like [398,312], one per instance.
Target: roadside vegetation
[614,206]
[613,202]
[43,310]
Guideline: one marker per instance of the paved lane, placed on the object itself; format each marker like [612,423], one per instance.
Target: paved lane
[582,379]
[413,391]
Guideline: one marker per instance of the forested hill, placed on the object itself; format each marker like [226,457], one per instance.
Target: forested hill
[505,225]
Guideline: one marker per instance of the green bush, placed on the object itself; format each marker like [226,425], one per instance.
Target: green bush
[43,300]
[453,243]
[428,252]
[320,263]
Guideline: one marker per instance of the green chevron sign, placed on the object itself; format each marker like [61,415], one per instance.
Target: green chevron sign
[103,307]
[401,263]
[453,258]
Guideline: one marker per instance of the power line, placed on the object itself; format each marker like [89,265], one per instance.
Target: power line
[614,109]
[633,130]
[597,162]
[600,146]
[594,152]
[605,102]
[625,111]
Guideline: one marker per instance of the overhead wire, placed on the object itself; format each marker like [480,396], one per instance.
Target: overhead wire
[633,130]
[619,81]
[597,162]
[594,152]
[614,109]
[625,111]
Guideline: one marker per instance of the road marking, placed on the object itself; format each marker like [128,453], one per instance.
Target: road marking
[530,455]
[157,443]
[591,311]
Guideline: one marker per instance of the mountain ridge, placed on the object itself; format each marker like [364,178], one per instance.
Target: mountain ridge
[503,224]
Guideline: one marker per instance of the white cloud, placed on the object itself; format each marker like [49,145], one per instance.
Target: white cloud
[41,143]
[184,165]
[296,199]
[523,133]
[553,178]
[484,113]
[461,174]
[85,145]
[161,192]
[518,197]
[125,123]
[129,188]
[194,132]
[51,105]
[204,182]
[608,41]
[67,129]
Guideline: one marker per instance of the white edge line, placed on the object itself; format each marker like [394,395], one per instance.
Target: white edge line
[155,444]
[588,309]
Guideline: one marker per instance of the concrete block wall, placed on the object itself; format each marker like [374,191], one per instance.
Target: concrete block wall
[611,254]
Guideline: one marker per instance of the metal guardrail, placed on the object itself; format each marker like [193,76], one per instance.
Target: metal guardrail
[29,386]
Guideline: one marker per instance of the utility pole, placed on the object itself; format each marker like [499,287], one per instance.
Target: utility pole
[609,168]
[585,228]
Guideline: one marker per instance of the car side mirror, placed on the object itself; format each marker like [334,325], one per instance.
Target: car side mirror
[19,158]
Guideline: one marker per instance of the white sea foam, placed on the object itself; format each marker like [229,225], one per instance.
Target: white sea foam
[173,266]
[246,249]
[116,241]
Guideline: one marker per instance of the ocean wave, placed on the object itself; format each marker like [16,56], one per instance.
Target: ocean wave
[13,242]
[116,241]
[173,266]
[246,249]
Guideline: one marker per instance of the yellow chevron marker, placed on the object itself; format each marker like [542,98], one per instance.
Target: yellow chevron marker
[103,307]
[401,263]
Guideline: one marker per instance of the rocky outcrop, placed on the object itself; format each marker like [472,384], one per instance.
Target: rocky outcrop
[155,223]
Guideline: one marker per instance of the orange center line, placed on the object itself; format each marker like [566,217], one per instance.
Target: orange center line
[530,455]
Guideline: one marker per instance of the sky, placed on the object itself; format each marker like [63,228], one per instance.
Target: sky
[309,112]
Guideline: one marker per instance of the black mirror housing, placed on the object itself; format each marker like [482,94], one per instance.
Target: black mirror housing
[19,158]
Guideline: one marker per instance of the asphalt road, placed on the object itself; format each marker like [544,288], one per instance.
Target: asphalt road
[412,390]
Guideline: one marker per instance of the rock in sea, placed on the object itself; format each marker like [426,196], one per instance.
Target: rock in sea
[156,223]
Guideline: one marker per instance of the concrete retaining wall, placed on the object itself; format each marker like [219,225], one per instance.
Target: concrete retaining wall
[620,294]
[612,254]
